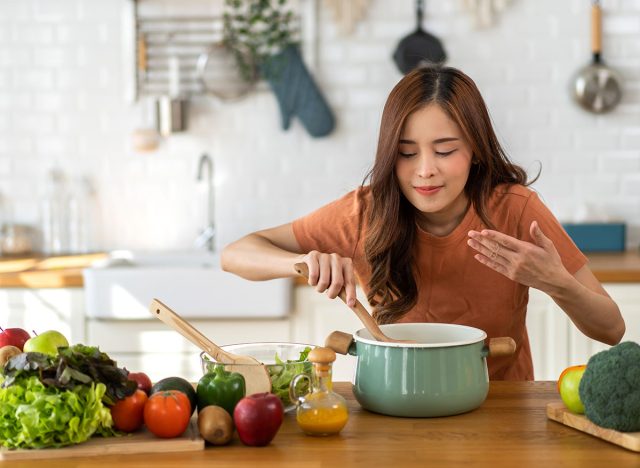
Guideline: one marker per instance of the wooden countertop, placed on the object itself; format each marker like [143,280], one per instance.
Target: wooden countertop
[616,267]
[63,271]
[510,429]
[66,271]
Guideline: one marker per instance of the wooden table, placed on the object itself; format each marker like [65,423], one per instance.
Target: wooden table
[510,430]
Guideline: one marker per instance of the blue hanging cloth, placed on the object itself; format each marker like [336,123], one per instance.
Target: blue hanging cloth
[297,93]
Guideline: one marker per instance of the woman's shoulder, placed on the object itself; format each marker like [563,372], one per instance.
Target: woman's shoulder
[512,194]
[349,205]
[355,201]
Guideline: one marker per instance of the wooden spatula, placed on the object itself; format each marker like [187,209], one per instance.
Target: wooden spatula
[256,376]
[358,309]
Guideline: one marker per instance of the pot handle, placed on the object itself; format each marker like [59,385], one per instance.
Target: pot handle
[503,346]
[341,343]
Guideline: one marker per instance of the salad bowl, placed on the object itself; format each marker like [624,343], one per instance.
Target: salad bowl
[283,362]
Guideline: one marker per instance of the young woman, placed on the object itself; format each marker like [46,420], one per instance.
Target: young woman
[446,231]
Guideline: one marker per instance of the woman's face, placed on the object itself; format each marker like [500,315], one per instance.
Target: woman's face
[433,165]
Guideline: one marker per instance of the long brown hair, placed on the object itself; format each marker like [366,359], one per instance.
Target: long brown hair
[392,219]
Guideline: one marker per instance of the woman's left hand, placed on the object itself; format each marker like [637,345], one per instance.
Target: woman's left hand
[535,265]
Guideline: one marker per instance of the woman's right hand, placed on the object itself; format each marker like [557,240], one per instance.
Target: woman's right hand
[331,273]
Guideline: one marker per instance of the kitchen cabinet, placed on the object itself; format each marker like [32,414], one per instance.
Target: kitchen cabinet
[158,350]
[555,342]
[315,316]
[151,346]
[60,309]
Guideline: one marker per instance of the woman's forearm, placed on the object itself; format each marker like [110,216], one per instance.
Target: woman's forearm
[255,257]
[595,314]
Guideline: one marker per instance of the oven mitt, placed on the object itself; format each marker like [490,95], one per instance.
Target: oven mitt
[297,93]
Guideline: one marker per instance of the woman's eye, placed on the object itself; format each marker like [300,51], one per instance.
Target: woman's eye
[444,153]
[406,155]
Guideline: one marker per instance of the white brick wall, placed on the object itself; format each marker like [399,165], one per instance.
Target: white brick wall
[62,104]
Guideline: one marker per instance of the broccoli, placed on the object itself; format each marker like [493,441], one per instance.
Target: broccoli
[610,388]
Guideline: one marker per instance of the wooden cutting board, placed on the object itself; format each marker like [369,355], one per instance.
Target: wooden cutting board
[559,413]
[139,442]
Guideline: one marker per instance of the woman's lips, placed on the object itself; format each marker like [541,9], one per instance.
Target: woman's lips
[428,189]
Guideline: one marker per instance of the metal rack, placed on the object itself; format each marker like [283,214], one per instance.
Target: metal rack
[157,40]
[160,39]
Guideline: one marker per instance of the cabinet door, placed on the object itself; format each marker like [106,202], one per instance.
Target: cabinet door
[627,296]
[315,316]
[548,328]
[153,347]
[556,342]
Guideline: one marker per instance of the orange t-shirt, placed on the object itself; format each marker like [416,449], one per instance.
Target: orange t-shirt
[453,287]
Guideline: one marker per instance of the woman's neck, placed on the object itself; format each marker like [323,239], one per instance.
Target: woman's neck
[443,224]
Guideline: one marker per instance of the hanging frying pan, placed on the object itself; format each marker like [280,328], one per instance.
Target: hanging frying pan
[596,87]
[419,46]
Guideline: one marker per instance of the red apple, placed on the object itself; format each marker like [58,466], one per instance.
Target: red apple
[13,337]
[257,418]
[142,379]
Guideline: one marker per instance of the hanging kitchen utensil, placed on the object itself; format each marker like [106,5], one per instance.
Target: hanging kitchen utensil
[254,372]
[358,309]
[596,87]
[418,47]
[226,73]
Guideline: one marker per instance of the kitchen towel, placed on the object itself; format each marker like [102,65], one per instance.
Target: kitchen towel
[297,93]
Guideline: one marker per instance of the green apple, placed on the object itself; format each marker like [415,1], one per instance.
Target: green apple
[46,342]
[569,384]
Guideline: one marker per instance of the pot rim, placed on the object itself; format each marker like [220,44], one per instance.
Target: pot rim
[481,336]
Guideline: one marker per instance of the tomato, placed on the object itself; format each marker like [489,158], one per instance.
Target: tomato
[167,413]
[128,413]
[567,370]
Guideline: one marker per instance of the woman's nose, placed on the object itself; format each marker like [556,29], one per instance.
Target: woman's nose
[426,166]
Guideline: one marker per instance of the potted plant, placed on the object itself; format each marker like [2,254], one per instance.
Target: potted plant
[263,36]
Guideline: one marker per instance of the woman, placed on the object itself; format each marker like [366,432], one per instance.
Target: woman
[446,231]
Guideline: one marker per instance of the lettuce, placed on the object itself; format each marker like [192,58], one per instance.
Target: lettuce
[282,373]
[33,415]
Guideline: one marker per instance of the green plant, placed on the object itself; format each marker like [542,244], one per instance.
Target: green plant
[256,30]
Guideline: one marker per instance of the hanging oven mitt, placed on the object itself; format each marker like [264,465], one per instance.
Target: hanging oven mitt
[297,93]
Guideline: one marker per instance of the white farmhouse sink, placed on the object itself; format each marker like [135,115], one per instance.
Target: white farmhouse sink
[191,283]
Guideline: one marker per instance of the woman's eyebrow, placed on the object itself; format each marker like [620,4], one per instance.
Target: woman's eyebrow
[445,140]
[439,140]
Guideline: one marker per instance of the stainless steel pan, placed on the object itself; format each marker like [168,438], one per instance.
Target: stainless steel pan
[596,87]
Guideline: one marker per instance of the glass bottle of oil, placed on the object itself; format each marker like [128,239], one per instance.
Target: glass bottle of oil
[321,412]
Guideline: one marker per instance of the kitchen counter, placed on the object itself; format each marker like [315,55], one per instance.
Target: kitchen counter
[66,271]
[510,429]
[63,271]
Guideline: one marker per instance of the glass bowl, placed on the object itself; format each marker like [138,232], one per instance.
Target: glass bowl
[281,373]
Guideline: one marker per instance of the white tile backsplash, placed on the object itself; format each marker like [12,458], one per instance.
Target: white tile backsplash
[62,98]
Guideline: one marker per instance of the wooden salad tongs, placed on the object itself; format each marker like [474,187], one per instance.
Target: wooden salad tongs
[256,376]
[339,339]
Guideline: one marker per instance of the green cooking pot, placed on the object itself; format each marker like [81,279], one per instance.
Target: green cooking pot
[443,373]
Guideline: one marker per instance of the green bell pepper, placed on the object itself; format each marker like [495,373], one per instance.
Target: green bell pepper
[220,388]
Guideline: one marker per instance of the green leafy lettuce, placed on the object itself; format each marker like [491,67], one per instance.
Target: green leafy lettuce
[35,415]
[72,366]
[283,372]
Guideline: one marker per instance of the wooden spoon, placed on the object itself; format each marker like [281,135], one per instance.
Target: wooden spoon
[358,309]
[256,376]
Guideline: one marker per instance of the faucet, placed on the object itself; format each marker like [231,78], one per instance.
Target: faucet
[207,236]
